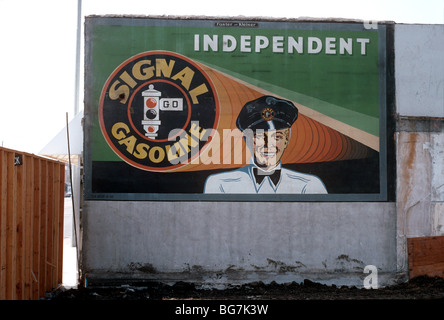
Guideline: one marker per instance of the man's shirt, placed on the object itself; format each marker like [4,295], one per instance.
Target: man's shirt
[243,180]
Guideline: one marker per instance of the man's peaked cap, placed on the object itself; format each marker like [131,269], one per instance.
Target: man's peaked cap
[267,113]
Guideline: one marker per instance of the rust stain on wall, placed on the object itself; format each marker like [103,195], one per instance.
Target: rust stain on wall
[412,150]
[409,154]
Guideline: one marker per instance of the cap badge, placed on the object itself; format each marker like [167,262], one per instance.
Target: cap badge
[267,114]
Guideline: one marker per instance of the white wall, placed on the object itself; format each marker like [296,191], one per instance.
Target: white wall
[419,71]
[419,64]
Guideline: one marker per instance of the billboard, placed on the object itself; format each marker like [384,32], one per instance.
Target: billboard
[234,110]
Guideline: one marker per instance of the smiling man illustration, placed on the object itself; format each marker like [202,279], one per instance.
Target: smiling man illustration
[265,123]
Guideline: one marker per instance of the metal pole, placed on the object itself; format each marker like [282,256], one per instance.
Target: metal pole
[79,33]
[73,202]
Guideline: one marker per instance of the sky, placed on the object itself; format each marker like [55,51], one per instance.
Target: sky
[38,48]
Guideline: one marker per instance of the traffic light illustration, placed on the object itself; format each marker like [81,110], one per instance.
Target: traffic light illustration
[153,106]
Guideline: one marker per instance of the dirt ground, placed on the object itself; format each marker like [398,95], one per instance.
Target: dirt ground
[419,288]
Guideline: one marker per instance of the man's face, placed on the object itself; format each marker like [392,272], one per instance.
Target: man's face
[269,146]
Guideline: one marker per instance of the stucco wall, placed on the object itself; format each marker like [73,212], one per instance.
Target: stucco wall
[223,242]
[419,69]
[231,242]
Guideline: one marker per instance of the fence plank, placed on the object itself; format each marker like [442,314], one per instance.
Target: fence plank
[29,202]
[56,225]
[43,224]
[19,192]
[10,226]
[49,228]
[36,229]
[61,202]
[3,188]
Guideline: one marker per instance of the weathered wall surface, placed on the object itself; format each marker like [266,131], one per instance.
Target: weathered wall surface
[223,242]
[419,69]
[228,242]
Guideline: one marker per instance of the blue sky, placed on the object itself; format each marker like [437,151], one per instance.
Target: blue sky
[38,45]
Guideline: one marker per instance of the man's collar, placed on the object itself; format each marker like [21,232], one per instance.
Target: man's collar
[259,174]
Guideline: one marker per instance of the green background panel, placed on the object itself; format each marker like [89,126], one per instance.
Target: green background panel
[345,87]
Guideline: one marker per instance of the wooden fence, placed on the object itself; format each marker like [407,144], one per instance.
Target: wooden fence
[31,225]
[426,256]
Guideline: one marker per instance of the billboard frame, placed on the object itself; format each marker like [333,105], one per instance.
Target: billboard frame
[386,102]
